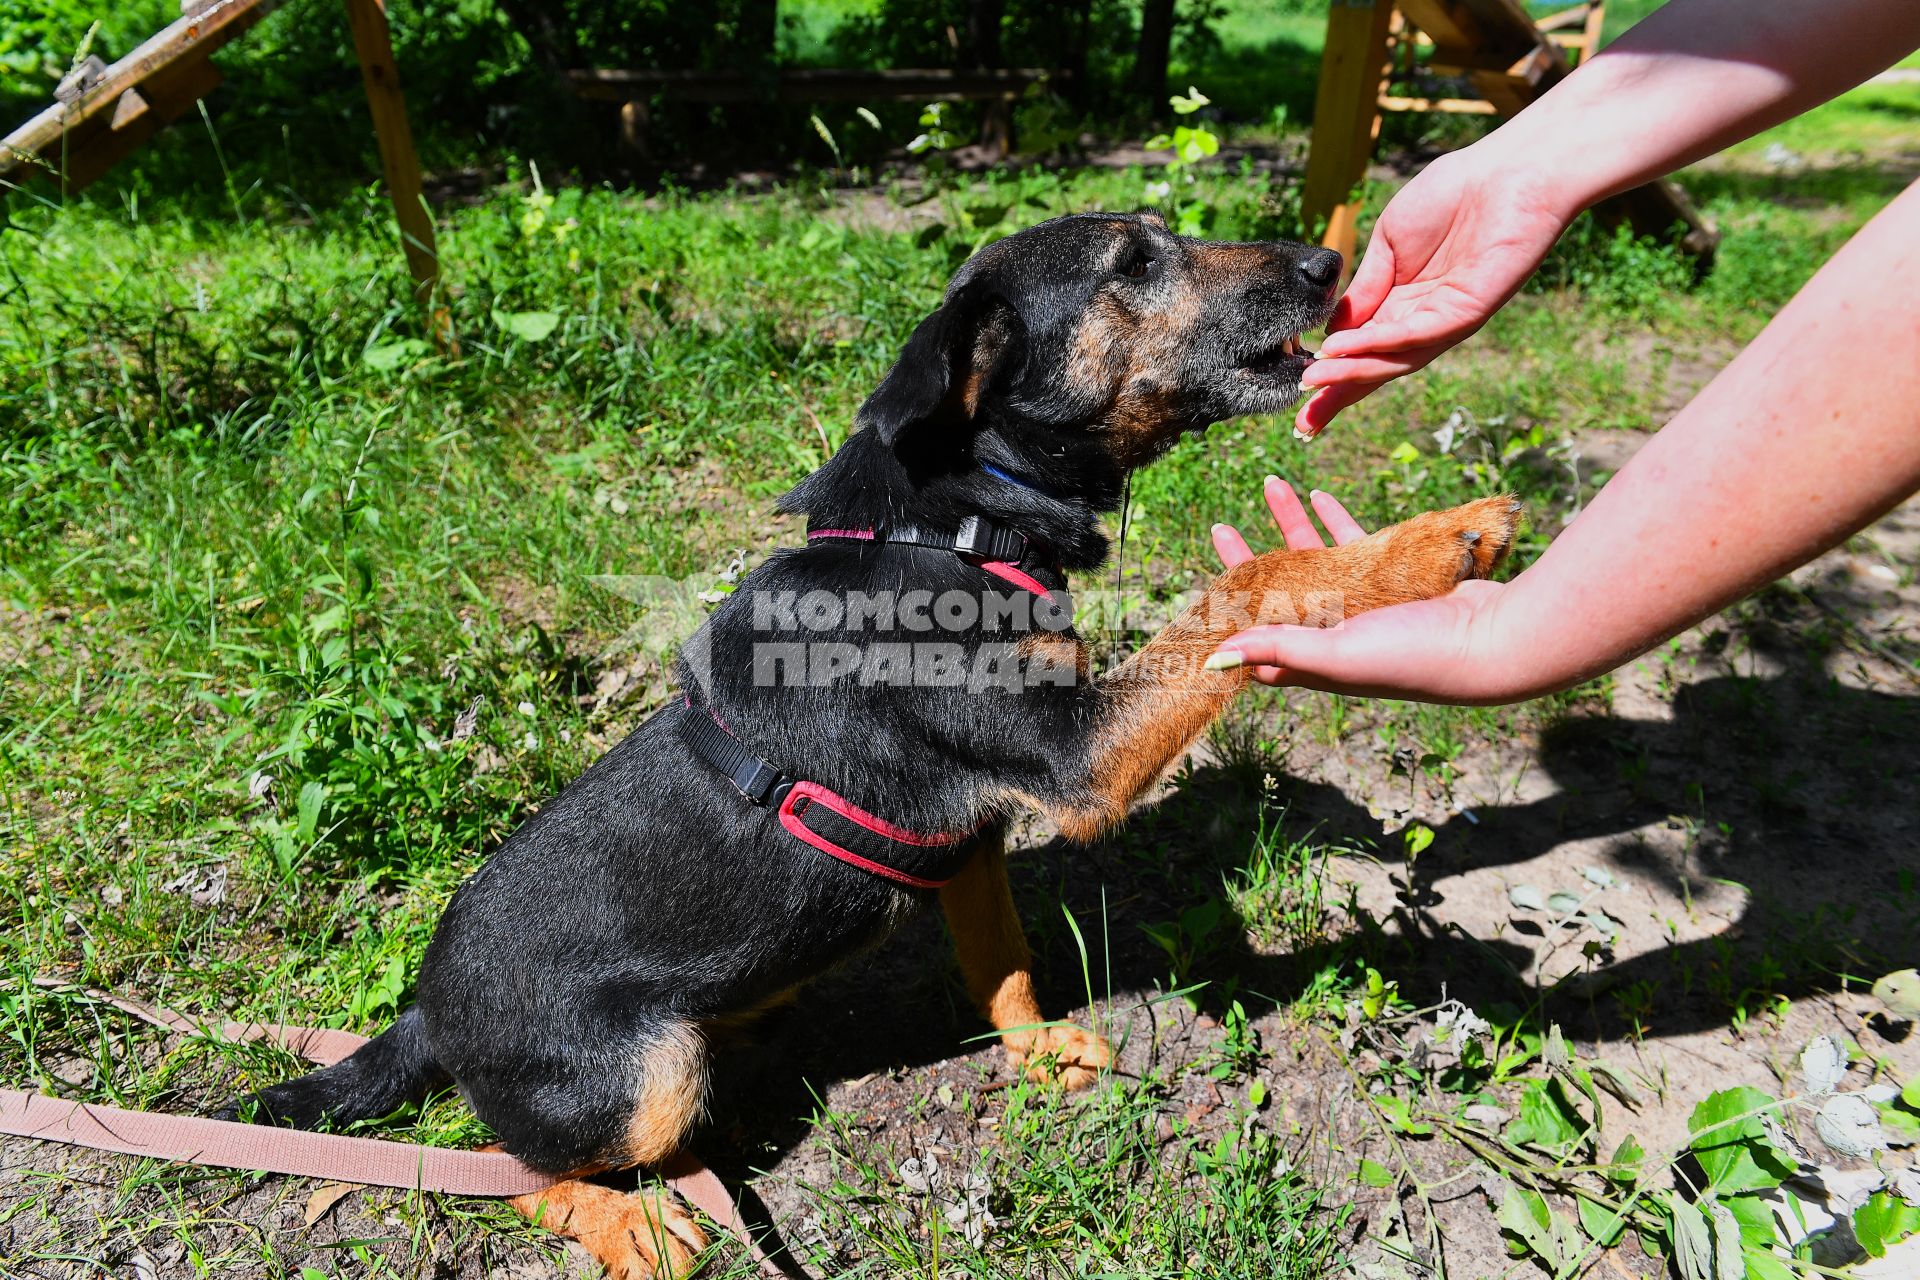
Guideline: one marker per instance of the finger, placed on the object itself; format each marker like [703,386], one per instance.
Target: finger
[1274,677]
[1342,526]
[1372,281]
[1230,546]
[1381,336]
[1373,369]
[1316,413]
[1296,526]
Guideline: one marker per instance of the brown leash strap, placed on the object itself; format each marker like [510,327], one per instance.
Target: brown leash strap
[230,1144]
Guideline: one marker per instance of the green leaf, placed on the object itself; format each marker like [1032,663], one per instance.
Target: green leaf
[1404,452]
[1603,1224]
[1884,1220]
[1911,1094]
[1399,1114]
[1375,1174]
[1191,102]
[388,356]
[1901,1126]
[1624,1169]
[1900,992]
[528,326]
[1727,1263]
[312,794]
[1256,1093]
[1418,837]
[1763,1264]
[1735,1153]
[1545,1119]
[1536,1229]
[1692,1240]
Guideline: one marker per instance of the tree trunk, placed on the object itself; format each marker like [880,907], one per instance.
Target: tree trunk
[1156,44]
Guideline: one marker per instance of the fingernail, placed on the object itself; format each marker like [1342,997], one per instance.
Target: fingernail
[1219,527]
[1272,479]
[1225,660]
[1302,436]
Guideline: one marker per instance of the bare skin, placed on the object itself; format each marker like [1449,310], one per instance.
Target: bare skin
[1809,435]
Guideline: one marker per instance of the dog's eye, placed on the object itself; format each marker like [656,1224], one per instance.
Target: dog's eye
[1135,267]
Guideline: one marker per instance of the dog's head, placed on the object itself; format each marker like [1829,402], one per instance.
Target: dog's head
[1110,328]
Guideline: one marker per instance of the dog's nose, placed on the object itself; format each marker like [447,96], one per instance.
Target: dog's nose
[1320,268]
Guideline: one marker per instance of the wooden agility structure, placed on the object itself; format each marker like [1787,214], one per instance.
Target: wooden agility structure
[1509,60]
[101,113]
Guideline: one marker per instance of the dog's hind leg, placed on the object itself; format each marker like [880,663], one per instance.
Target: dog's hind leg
[639,1235]
[998,967]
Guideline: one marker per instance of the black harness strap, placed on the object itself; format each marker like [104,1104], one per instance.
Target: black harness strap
[824,819]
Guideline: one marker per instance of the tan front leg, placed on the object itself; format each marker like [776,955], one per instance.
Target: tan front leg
[1155,704]
[999,970]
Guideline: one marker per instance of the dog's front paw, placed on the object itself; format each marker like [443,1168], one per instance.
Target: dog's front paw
[1073,1056]
[1440,548]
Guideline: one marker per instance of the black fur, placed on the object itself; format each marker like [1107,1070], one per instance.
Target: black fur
[649,894]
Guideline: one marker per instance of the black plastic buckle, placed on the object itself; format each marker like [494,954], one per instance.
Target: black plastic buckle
[760,782]
[979,539]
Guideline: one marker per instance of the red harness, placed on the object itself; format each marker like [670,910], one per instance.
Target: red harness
[824,819]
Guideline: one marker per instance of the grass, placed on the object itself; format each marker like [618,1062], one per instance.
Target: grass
[264,550]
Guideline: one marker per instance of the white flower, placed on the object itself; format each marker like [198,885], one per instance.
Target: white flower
[525,709]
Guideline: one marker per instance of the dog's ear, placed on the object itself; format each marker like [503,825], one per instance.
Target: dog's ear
[948,364]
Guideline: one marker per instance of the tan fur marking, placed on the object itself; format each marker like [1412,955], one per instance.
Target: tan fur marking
[1162,698]
[641,1235]
[672,1096]
[998,967]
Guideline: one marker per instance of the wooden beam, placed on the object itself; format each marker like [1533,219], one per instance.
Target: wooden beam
[176,58]
[1346,119]
[373,45]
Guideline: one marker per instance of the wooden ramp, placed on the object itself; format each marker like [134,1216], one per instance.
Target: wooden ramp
[1510,61]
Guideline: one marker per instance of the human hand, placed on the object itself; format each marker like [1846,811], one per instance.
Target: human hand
[1448,251]
[1438,650]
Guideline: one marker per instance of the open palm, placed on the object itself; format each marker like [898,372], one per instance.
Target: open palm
[1447,252]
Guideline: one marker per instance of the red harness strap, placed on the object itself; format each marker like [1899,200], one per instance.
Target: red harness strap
[823,818]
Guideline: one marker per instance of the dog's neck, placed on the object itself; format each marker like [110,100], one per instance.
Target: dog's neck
[1053,497]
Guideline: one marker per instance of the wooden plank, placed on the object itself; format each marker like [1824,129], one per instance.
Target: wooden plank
[1346,118]
[373,45]
[809,84]
[49,135]
[102,142]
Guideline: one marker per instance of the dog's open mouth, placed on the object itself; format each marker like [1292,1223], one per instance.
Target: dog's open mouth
[1285,358]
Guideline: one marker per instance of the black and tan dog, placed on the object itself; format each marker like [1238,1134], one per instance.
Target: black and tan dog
[864,712]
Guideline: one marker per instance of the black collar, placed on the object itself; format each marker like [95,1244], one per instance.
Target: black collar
[977,541]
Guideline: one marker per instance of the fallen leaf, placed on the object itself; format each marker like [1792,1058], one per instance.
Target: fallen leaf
[1824,1063]
[327,1195]
[1847,1123]
[1526,897]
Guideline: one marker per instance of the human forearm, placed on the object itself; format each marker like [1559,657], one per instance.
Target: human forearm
[1696,76]
[1809,435]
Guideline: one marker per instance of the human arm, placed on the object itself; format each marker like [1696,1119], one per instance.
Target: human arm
[1806,437]
[1460,238]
